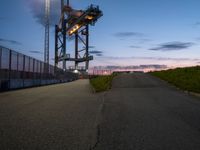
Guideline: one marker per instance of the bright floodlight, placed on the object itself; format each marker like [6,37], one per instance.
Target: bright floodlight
[76,71]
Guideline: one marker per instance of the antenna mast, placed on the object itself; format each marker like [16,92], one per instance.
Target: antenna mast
[46,44]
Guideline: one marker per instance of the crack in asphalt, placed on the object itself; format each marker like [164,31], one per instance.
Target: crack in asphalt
[97,138]
[97,123]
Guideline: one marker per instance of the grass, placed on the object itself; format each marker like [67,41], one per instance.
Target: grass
[183,78]
[102,83]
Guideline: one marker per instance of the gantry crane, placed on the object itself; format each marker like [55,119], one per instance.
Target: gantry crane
[74,24]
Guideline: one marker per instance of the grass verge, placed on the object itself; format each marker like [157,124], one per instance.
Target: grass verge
[183,78]
[102,83]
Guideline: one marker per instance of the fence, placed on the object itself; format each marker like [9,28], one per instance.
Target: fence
[20,71]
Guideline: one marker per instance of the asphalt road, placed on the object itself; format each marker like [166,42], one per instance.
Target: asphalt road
[56,117]
[140,112]
[143,113]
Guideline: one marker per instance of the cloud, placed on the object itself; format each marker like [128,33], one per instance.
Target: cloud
[36,52]
[154,58]
[197,23]
[140,60]
[144,40]
[97,53]
[172,46]
[10,41]
[138,37]
[91,46]
[132,46]
[37,8]
[147,66]
[128,34]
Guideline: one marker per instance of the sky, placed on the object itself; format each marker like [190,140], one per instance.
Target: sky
[131,32]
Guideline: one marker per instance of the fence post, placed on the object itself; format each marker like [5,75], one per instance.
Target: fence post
[33,65]
[40,72]
[10,65]
[29,68]
[0,67]
[33,72]
[23,68]
[0,56]
[17,62]
[37,73]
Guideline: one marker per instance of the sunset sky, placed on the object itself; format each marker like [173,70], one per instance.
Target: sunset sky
[131,32]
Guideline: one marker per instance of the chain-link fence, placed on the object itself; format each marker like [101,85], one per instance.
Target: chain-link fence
[20,71]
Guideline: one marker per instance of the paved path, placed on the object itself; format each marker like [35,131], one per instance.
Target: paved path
[57,117]
[140,112]
[143,113]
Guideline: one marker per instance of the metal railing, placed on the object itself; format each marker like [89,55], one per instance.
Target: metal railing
[19,71]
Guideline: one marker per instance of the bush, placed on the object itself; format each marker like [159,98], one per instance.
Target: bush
[102,83]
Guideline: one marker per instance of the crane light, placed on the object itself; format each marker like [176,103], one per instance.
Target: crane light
[74,29]
[89,17]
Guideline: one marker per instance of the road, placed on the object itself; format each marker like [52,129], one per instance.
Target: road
[56,117]
[140,112]
[144,113]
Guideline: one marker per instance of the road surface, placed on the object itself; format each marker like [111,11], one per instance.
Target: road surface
[140,112]
[144,113]
[56,117]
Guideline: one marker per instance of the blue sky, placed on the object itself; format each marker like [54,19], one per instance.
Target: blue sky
[131,32]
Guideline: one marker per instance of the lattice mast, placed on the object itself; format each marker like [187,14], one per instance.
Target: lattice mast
[47,24]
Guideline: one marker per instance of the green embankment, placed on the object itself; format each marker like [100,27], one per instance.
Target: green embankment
[183,78]
[102,83]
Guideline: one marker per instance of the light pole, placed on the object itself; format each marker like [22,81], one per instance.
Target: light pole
[46,44]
